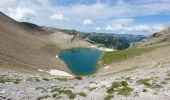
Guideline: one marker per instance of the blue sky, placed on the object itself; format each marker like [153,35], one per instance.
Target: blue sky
[108,16]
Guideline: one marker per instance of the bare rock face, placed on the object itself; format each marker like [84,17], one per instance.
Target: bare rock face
[156,35]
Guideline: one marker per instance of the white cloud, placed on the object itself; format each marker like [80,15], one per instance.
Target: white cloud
[109,28]
[5,2]
[87,22]
[97,10]
[98,28]
[123,21]
[21,13]
[58,17]
[134,28]
[118,16]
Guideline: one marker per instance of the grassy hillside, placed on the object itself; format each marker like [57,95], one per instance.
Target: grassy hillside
[157,40]
[120,55]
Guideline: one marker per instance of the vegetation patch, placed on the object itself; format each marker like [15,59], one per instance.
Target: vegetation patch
[82,94]
[121,88]
[163,82]
[168,73]
[63,78]
[167,78]
[17,81]
[120,55]
[124,91]
[46,79]
[4,79]
[42,89]
[33,79]
[144,82]
[43,97]
[148,83]
[108,97]
[69,93]
[93,88]
[78,77]
[39,88]
[57,92]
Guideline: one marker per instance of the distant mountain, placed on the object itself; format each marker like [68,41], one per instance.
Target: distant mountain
[116,41]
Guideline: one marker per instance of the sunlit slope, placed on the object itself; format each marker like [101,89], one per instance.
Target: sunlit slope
[20,47]
[150,52]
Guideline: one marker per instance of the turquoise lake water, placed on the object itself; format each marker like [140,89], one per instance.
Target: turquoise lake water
[80,61]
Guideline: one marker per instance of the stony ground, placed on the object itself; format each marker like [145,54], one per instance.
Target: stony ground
[147,84]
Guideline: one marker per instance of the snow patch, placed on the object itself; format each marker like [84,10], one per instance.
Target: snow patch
[102,48]
[93,46]
[58,73]
[106,67]
[40,70]
[57,56]
[105,49]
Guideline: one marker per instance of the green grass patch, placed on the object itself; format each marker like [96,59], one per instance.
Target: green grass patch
[148,83]
[58,91]
[42,89]
[82,94]
[168,73]
[120,55]
[108,97]
[46,79]
[17,81]
[62,78]
[121,88]
[124,91]
[72,96]
[145,82]
[78,77]
[39,88]
[43,97]
[93,88]
[4,79]
[163,82]
[33,79]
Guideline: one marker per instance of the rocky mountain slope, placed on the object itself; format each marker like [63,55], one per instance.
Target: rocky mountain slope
[158,38]
[25,45]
